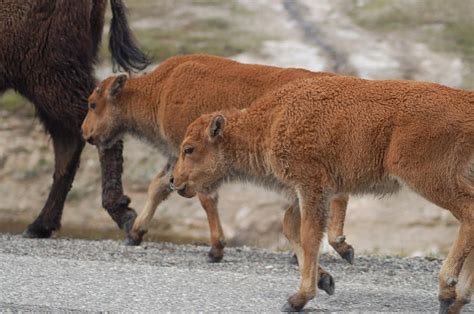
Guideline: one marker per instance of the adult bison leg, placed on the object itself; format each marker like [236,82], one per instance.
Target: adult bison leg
[67,152]
[113,199]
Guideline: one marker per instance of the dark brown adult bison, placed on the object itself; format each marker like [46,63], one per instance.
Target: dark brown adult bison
[47,52]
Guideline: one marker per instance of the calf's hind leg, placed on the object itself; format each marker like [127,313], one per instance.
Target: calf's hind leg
[335,231]
[336,236]
[449,276]
[465,285]
[291,229]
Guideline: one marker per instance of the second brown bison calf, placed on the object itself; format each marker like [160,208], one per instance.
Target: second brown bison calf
[316,138]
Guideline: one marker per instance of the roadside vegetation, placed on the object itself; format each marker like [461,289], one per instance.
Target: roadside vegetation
[446,26]
[166,28]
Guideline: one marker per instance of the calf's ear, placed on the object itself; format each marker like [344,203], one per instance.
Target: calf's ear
[216,127]
[117,85]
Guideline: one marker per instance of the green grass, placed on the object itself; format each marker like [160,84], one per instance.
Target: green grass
[11,101]
[14,103]
[446,26]
[192,26]
[211,36]
[460,36]
[215,27]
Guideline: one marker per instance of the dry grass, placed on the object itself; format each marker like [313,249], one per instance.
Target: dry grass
[168,28]
[445,26]
[13,103]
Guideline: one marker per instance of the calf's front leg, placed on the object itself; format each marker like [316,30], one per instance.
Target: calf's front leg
[314,216]
[291,229]
[158,191]
[209,203]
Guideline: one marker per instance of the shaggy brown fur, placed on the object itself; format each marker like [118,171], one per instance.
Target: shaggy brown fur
[316,138]
[47,51]
[158,107]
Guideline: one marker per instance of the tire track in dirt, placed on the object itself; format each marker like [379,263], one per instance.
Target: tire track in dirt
[337,61]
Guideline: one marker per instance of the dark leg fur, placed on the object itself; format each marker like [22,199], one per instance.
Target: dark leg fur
[67,152]
[113,199]
[68,146]
[57,76]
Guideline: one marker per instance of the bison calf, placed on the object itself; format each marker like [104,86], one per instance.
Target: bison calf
[159,106]
[316,138]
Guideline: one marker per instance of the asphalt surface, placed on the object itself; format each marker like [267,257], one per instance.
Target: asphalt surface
[78,275]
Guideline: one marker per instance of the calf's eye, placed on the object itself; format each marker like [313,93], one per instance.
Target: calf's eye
[92,105]
[188,150]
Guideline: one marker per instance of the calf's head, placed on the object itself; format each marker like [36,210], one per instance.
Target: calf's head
[203,162]
[102,125]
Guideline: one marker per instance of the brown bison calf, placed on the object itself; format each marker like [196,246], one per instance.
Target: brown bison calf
[317,138]
[159,106]
[47,52]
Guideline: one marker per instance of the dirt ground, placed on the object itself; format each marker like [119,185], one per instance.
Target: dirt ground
[316,35]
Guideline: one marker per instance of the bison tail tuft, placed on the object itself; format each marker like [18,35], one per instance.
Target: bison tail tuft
[122,44]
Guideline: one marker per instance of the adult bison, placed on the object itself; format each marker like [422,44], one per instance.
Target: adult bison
[47,53]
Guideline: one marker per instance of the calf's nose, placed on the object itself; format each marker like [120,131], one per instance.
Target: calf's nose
[173,187]
[182,191]
[86,136]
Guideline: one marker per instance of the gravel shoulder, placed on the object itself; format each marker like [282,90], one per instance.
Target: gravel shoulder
[63,274]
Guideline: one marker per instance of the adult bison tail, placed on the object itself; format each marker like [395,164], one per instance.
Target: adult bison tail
[122,44]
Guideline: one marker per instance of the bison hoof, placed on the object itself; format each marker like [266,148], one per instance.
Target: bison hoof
[293,260]
[327,284]
[214,257]
[444,305]
[288,308]
[135,238]
[128,219]
[295,303]
[36,232]
[129,241]
[348,255]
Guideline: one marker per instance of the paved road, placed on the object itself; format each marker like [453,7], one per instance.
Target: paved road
[62,274]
